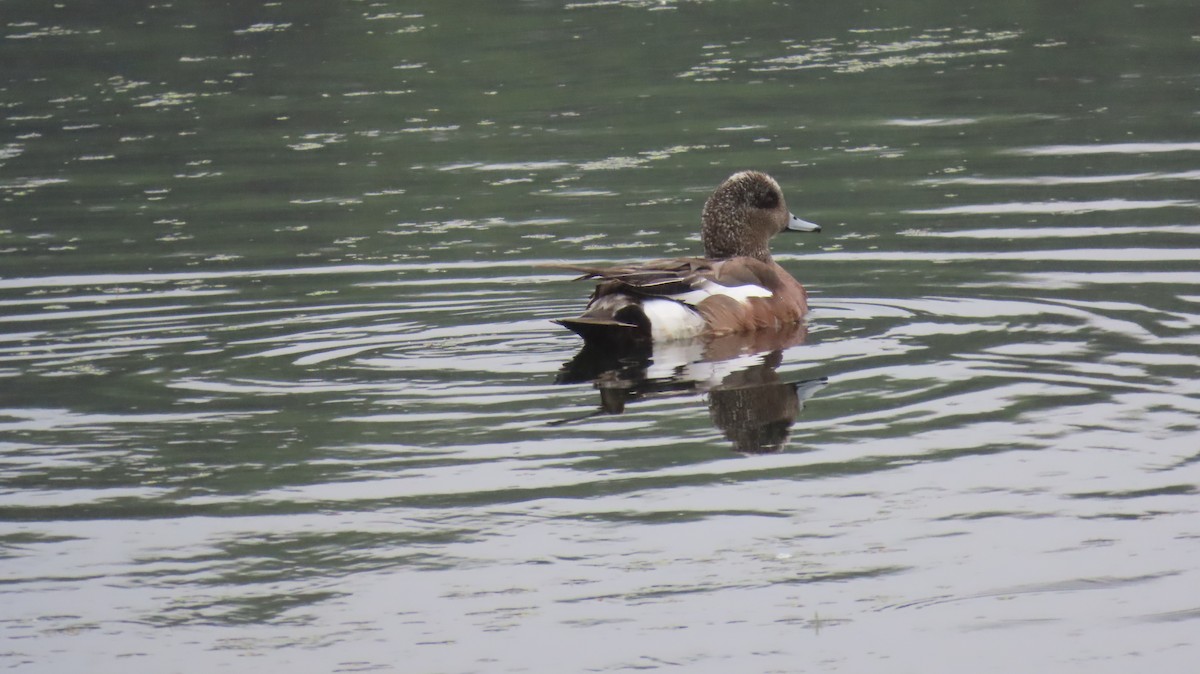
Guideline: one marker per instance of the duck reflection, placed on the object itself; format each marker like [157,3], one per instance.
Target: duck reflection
[747,399]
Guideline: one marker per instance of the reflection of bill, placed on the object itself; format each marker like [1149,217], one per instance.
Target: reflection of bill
[747,399]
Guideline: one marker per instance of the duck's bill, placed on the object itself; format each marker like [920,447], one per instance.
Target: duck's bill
[797,225]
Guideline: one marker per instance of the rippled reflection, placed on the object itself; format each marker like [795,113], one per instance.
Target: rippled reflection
[747,399]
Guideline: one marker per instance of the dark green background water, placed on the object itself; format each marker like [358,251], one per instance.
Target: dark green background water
[277,372]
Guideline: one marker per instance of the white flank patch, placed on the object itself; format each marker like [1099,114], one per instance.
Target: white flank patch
[671,320]
[709,289]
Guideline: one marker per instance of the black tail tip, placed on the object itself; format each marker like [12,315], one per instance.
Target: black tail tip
[604,331]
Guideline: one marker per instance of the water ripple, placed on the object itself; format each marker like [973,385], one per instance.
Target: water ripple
[1109,148]
[1071,207]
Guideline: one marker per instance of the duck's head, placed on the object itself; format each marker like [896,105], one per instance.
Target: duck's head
[743,214]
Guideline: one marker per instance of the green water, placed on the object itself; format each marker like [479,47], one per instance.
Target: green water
[277,371]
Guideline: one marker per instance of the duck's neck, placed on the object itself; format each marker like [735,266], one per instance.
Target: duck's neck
[715,252]
[763,254]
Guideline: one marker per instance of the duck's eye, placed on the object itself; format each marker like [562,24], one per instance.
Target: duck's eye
[766,199]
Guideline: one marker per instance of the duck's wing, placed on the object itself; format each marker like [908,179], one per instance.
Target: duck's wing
[657,278]
[688,280]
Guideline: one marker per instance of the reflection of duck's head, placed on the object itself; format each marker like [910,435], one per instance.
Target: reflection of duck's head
[758,419]
[736,287]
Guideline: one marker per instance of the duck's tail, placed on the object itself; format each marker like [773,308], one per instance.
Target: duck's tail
[615,320]
[594,328]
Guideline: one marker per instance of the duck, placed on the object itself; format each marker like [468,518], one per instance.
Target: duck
[736,287]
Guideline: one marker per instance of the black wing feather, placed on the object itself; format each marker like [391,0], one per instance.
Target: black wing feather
[659,278]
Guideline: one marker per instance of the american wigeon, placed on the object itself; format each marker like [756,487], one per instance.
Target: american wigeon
[735,287]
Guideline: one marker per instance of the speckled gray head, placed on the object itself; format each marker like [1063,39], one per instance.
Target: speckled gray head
[743,214]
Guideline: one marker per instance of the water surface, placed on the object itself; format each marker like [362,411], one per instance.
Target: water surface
[279,386]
